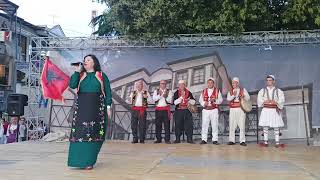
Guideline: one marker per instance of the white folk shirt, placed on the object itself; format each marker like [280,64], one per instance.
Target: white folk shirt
[11,129]
[279,99]
[236,94]
[210,91]
[139,98]
[162,101]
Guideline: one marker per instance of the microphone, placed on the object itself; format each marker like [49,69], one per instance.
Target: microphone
[76,64]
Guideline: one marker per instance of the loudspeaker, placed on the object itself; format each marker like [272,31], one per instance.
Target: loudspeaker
[16,103]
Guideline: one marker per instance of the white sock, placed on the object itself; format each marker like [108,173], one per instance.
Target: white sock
[265,134]
[276,135]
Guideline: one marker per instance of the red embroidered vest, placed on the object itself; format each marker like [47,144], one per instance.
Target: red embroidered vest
[233,103]
[213,96]
[184,103]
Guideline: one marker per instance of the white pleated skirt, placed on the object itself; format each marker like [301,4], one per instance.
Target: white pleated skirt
[270,118]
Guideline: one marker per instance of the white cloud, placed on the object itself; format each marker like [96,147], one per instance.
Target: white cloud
[73,15]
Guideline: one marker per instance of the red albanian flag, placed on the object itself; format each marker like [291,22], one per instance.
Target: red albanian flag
[53,80]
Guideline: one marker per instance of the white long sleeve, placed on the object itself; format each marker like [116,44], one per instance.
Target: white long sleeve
[219,99]
[8,130]
[149,98]
[156,96]
[230,97]
[281,99]
[201,101]
[260,99]
[170,96]
[245,94]
[1,130]
[177,101]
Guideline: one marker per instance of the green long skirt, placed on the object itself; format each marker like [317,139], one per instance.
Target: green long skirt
[83,154]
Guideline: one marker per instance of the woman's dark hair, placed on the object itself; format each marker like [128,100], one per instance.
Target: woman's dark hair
[96,63]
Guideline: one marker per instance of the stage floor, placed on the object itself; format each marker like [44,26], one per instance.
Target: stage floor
[122,160]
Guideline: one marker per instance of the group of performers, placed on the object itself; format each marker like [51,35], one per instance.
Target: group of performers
[93,109]
[270,99]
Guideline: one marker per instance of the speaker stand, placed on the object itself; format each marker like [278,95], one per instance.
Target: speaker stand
[18,129]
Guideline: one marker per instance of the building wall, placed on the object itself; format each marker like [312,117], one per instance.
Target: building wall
[162,74]
[191,69]
[130,79]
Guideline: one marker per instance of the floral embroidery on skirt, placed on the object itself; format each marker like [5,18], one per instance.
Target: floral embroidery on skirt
[88,123]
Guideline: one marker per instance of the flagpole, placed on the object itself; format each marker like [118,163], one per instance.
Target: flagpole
[50,116]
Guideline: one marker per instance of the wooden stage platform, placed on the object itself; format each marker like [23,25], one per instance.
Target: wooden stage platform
[123,160]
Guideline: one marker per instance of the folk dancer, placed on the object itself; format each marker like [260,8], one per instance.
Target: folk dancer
[209,99]
[182,116]
[237,116]
[271,99]
[163,99]
[139,100]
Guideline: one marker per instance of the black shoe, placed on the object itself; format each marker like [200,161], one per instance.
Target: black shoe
[141,141]
[168,142]
[157,141]
[231,143]
[243,144]
[190,141]
[203,142]
[134,141]
[177,142]
[215,142]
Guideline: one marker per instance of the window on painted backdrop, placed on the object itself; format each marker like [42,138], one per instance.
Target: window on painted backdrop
[182,75]
[129,90]
[198,76]
[153,87]
[118,91]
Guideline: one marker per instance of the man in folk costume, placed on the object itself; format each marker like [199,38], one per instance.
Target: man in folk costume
[163,99]
[237,116]
[139,100]
[182,116]
[271,99]
[209,99]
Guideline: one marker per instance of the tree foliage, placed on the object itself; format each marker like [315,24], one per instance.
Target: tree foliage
[156,19]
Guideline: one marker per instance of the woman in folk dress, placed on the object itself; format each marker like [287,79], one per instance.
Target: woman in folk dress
[90,118]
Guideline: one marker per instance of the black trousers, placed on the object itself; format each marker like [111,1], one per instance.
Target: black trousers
[138,123]
[162,118]
[183,123]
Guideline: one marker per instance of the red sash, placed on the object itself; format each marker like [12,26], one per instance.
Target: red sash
[274,106]
[141,109]
[166,108]
[234,104]
[184,103]
[213,96]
